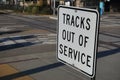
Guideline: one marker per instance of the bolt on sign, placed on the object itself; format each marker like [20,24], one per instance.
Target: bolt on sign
[77,38]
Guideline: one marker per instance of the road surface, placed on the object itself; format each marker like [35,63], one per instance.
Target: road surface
[28,48]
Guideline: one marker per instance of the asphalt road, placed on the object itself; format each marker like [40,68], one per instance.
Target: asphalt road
[28,43]
[15,28]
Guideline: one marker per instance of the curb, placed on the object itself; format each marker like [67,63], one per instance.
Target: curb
[53,17]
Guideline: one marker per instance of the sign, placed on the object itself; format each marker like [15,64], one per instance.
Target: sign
[77,38]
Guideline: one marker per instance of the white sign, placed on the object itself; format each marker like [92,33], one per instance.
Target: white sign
[77,38]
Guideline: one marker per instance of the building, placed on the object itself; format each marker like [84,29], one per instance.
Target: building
[109,5]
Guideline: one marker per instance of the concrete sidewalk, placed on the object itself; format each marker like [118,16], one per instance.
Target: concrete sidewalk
[40,66]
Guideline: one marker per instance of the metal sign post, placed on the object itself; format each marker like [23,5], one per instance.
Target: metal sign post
[93,78]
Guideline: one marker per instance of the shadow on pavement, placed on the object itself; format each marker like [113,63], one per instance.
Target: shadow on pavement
[18,45]
[3,13]
[10,32]
[108,52]
[32,71]
[54,65]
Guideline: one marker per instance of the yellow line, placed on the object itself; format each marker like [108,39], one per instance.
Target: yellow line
[5,70]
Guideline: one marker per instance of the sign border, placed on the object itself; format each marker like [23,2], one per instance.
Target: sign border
[95,42]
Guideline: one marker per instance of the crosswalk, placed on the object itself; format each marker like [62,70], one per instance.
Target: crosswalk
[110,21]
[25,40]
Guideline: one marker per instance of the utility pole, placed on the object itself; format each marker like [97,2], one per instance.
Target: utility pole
[54,7]
[23,5]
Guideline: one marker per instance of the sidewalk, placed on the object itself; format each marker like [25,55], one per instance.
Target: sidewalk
[40,66]
[6,69]
[44,66]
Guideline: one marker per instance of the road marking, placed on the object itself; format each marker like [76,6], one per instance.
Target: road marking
[20,41]
[6,70]
[36,39]
[8,42]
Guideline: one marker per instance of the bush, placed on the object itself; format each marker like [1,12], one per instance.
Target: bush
[32,9]
[28,9]
[19,9]
[35,10]
[45,10]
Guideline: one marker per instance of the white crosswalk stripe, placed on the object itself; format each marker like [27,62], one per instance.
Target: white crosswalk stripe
[8,42]
[20,41]
[37,39]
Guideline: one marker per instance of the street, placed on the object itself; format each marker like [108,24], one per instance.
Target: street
[28,49]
